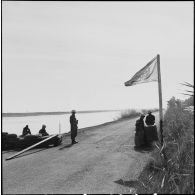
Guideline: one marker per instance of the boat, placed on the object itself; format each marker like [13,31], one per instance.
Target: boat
[14,142]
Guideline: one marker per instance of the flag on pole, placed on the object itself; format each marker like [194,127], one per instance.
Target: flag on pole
[150,72]
[147,74]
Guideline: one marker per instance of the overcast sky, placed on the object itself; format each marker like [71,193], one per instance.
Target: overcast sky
[59,56]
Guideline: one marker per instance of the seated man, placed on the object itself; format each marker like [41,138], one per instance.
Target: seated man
[150,118]
[26,131]
[42,131]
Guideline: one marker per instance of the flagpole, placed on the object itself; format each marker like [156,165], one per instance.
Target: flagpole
[160,99]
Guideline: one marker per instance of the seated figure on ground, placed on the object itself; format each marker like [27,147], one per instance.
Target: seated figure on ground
[42,131]
[26,131]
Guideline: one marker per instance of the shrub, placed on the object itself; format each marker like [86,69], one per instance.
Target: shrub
[174,162]
[132,113]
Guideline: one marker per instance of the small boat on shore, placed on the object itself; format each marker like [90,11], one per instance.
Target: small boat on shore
[14,142]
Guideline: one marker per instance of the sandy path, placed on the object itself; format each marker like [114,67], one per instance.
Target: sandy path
[104,155]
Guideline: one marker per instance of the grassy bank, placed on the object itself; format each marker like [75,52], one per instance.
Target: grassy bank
[171,169]
[132,113]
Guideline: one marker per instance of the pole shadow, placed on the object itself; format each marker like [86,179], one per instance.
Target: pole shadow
[131,183]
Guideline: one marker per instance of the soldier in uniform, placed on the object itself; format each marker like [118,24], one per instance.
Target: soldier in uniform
[26,131]
[73,125]
[150,118]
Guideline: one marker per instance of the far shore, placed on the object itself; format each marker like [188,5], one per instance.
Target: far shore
[25,114]
[97,126]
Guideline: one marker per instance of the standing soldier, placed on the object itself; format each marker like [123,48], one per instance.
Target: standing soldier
[73,124]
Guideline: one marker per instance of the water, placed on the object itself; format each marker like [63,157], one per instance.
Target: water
[55,123]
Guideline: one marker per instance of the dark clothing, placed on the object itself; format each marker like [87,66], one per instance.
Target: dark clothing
[139,125]
[73,127]
[139,135]
[151,134]
[150,119]
[43,132]
[26,131]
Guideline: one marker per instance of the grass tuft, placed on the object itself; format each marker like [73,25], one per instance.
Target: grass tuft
[171,168]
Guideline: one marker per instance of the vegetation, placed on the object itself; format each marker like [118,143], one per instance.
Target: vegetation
[132,113]
[190,91]
[171,169]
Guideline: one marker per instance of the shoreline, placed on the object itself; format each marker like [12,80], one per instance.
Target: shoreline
[83,130]
[26,114]
[90,128]
[97,164]
[100,125]
[103,124]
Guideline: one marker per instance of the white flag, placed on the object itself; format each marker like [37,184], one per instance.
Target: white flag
[147,74]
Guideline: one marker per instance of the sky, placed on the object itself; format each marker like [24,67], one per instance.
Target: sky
[59,56]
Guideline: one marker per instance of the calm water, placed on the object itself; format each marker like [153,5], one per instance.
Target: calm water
[55,123]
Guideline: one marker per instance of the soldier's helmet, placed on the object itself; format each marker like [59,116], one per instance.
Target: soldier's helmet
[149,112]
[73,111]
[43,126]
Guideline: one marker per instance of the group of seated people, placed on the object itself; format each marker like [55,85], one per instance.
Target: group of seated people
[42,131]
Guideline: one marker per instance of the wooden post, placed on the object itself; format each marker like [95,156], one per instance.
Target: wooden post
[59,127]
[160,98]
[31,147]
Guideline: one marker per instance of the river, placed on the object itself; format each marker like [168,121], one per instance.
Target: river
[55,123]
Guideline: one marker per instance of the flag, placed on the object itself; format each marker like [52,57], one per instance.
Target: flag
[151,72]
[147,74]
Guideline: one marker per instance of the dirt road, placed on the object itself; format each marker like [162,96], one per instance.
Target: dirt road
[104,155]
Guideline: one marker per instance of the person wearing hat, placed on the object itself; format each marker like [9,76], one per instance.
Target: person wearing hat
[26,131]
[42,131]
[73,127]
[139,131]
[150,118]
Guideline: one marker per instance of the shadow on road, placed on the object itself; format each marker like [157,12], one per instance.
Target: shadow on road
[143,149]
[66,146]
[131,183]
